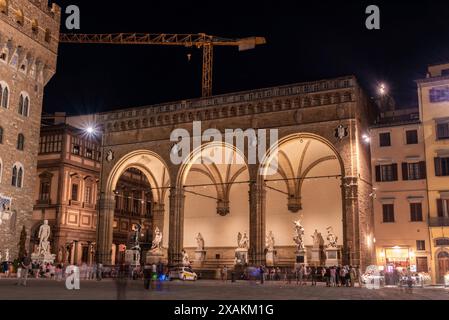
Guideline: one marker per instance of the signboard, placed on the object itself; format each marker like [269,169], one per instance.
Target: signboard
[439,94]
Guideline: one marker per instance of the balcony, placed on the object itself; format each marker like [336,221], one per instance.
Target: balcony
[439,222]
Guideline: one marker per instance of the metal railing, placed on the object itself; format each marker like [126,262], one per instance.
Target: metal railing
[439,222]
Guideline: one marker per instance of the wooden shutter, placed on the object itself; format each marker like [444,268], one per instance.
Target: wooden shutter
[437,167]
[423,170]
[440,208]
[404,171]
[395,171]
[378,178]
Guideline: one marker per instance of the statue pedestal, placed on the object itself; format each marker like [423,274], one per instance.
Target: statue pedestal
[301,257]
[155,256]
[43,258]
[270,258]
[200,256]
[241,256]
[316,257]
[132,257]
[332,256]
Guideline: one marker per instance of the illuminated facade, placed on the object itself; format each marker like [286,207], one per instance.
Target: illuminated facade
[324,174]
[400,192]
[29,36]
[69,163]
[433,94]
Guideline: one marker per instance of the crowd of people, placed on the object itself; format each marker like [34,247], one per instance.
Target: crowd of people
[335,276]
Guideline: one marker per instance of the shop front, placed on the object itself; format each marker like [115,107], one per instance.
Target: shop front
[395,261]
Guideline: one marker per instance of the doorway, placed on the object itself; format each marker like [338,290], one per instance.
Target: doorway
[443,265]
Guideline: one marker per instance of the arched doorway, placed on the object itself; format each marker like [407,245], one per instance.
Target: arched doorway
[215,184]
[133,205]
[149,183]
[303,180]
[443,265]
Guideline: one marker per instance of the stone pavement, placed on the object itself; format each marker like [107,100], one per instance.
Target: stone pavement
[205,290]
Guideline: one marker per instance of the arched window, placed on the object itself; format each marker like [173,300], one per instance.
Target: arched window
[47,35]
[19,17]
[24,104]
[4,95]
[34,26]
[17,176]
[4,6]
[20,142]
[1,135]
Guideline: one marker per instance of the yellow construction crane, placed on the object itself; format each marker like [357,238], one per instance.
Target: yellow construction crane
[200,40]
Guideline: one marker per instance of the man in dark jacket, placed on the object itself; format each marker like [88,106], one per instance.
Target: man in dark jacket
[25,265]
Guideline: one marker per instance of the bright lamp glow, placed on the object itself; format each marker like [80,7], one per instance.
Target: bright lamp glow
[382,89]
[90,130]
[366,138]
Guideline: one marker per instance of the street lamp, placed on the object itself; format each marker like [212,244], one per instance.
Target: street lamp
[382,89]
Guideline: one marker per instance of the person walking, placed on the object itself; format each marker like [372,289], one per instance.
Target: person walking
[261,272]
[99,271]
[333,274]
[224,274]
[314,275]
[25,266]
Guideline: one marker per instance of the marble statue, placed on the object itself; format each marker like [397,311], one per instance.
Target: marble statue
[7,255]
[157,240]
[298,236]
[331,237]
[185,258]
[243,241]
[316,239]
[136,228]
[44,235]
[199,242]
[269,243]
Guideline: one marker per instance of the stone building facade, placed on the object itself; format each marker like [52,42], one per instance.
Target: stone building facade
[68,170]
[29,33]
[324,175]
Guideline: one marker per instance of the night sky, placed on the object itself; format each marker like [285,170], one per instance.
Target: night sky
[315,40]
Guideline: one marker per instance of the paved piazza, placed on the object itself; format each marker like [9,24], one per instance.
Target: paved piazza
[205,289]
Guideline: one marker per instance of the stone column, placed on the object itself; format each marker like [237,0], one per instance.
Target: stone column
[176,232]
[351,239]
[105,227]
[75,252]
[257,196]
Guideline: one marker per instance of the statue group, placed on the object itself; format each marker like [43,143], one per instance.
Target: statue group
[43,253]
[156,252]
[241,253]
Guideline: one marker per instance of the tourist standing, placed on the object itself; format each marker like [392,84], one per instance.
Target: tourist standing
[352,275]
[224,274]
[261,272]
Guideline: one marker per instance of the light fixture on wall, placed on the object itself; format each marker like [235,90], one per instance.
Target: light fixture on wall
[366,138]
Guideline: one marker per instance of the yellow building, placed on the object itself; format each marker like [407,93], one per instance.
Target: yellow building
[400,193]
[433,95]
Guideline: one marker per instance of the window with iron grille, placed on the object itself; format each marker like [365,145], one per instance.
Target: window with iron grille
[388,213]
[411,136]
[385,139]
[420,245]
[416,212]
